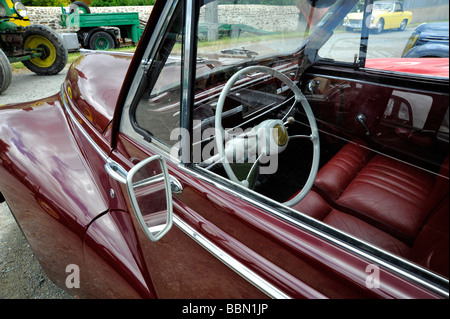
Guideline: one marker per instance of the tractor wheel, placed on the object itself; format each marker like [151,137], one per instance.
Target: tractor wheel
[101,40]
[79,7]
[5,72]
[55,52]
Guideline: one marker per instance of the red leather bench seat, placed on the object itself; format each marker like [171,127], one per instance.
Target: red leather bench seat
[390,204]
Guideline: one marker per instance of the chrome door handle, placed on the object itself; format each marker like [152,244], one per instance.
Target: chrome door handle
[175,185]
[116,171]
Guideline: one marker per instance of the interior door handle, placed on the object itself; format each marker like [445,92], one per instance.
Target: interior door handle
[362,119]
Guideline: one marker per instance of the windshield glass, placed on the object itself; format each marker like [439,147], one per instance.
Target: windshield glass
[233,31]
[382,6]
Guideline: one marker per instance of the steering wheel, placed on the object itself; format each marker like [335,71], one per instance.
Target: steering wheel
[270,137]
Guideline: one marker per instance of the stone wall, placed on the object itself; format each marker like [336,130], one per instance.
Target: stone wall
[269,18]
[262,17]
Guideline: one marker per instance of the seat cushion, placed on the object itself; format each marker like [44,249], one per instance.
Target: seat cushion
[366,232]
[334,177]
[392,193]
[314,206]
[431,248]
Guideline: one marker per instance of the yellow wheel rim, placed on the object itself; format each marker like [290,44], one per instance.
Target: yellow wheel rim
[38,41]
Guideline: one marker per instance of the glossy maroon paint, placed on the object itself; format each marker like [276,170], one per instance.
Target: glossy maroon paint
[94,93]
[298,262]
[47,181]
[60,193]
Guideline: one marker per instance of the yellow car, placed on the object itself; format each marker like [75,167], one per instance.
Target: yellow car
[386,15]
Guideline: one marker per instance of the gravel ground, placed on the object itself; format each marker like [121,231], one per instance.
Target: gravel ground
[21,276]
[27,86]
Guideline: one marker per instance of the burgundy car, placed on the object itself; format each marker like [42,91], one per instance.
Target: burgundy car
[277,164]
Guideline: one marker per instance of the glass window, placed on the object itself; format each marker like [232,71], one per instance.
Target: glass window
[377,141]
[232,35]
[157,112]
[400,37]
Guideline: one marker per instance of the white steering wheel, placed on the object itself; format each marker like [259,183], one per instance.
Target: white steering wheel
[270,137]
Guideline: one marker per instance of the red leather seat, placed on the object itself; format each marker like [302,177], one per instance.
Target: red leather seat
[430,249]
[393,205]
[380,190]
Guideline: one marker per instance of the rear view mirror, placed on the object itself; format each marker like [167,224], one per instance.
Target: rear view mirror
[148,185]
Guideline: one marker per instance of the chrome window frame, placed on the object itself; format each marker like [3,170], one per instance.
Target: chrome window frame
[150,51]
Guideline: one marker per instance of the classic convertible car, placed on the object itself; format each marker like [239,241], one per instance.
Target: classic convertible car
[195,169]
[386,15]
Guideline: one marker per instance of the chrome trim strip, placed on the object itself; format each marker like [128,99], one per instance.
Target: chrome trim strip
[112,168]
[104,156]
[89,51]
[188,60]
[231,262]
[154,42]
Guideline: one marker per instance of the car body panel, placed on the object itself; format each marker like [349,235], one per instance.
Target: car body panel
[54,230]
[428,40]
[95,93]
[438,67]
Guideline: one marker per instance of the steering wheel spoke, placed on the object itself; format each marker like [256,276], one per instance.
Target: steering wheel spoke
[295,137]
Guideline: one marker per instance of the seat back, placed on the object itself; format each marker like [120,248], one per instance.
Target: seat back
[431,248]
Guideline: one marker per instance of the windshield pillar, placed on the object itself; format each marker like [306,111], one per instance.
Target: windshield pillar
[361,61]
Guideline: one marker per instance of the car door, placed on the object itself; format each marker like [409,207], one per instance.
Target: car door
[226,241]
[175,266]
[397,16]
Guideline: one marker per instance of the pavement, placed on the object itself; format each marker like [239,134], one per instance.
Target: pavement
[27,86]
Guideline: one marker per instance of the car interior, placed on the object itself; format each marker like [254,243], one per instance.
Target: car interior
[382,174]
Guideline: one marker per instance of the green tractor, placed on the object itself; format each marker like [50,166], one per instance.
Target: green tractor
[38,47]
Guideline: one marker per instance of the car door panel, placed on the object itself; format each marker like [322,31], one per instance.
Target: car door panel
[200,273]
[62,193]
[265,244]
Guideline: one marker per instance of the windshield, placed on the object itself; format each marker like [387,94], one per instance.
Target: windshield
[382,6]
[233,31]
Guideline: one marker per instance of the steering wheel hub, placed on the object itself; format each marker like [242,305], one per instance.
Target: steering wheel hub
[268,138]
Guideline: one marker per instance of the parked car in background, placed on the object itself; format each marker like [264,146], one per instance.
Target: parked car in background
[429,40]
[254,166]
[386,15]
